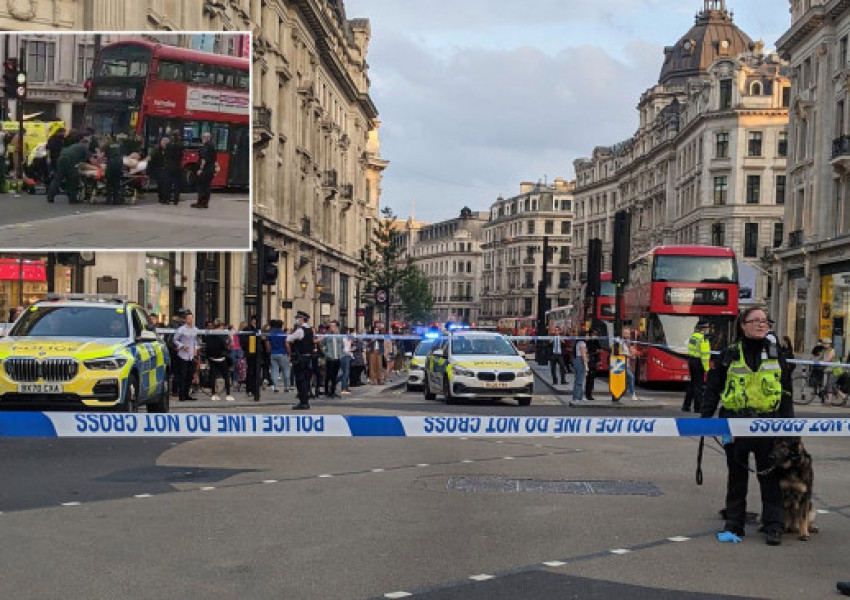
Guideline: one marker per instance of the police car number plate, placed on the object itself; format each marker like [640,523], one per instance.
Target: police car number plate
[39,388]
[496,384]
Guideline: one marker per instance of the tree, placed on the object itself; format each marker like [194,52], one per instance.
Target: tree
[384,264]
[415,295]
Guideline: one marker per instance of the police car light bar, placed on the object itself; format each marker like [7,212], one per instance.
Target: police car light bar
[88,297]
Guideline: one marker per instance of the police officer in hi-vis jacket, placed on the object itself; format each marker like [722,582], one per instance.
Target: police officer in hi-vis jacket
[699,355]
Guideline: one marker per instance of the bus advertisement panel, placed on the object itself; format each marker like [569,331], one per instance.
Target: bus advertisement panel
[670,289]
[150,90]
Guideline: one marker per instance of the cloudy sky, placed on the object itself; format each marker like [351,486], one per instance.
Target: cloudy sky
[476,96]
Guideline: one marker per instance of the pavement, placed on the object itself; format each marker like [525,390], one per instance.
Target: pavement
[28,223]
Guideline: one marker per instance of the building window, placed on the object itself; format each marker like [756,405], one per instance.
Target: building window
[565,228]
[782,145]
[85,60]
[842,52]
[566,205]
[40,61]
[751,239]
[725,94]
[549,227]
[786,96]
[718,234]
[780,189]
[720,189]
[565,255]
[754,143]
[753,189]
[722,145]
[755,88]
[778,232]
[526,302]
[530,227]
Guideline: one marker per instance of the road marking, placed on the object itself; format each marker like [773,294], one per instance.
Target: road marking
[554,563]
[397,595]
[823,511]
[377,470]
[270,481]
[423,465]
[679,538]
[70,504]
[466,461]
[482,577]
[207,488]
[508,457]
[143,496]
[620,551]
[325,475]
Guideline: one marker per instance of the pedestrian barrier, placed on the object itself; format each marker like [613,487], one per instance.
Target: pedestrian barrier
[196,425]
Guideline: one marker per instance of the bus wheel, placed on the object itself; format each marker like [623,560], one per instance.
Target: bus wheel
[190,178]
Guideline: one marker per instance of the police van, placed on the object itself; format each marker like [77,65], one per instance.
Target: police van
[477,364]
[81,351]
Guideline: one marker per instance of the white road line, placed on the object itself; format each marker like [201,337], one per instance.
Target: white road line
[70,504]
[377,470]
[397,595]
[482,577]
[679,538]
[143,496]
[508,457]
[620,551]
[823,511]
[270,481]
[207,488]
[554,563]
[325,475]
[466,461]
[423,465]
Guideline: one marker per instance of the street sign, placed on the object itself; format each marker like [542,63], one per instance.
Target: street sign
[381,295]
[617,375]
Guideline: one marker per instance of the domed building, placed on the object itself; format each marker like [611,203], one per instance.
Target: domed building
[706,165]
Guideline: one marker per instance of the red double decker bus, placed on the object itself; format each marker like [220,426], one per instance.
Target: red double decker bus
[150,90]
[670,289]
[521,326]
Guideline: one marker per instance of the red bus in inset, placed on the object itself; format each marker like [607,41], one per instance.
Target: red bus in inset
[150,90]
[670,289]
[521,326]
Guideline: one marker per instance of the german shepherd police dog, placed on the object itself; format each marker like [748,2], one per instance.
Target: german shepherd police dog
[796,477]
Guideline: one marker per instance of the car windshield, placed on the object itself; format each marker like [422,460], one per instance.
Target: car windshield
[424,347]
[496,345]
[71,321]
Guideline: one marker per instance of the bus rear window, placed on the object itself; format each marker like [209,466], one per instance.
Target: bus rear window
[695,269]
[123,61]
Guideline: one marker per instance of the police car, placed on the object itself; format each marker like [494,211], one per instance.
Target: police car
[84,352]
[416,365]
[477,364]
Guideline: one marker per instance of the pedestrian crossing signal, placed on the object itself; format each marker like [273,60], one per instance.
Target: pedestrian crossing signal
[10,78]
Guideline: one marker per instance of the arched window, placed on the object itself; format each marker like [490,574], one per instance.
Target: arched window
[755,88]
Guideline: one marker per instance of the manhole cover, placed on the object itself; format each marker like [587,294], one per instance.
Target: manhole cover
[507,485]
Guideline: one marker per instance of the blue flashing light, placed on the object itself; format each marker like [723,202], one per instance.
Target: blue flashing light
[432,335]
[454,326]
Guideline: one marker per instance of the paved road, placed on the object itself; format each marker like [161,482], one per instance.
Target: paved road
[380,518]
[28,222]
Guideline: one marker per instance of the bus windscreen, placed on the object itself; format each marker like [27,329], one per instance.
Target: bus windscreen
[695,269]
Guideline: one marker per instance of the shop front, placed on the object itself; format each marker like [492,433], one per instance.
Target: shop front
[798,295]
[22,282]
[159,275]
[834,306]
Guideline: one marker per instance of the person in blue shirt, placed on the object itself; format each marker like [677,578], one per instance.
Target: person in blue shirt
[276,345]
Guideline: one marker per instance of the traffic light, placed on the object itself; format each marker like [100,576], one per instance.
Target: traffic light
[594,266]
[21,89]
[620,256]
[270,256]
[10,78]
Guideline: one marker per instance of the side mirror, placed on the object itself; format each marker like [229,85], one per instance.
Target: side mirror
[147,336]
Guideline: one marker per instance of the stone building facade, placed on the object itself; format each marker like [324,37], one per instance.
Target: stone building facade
[449,253]
[813,267]
[707,163]
[513,250]
[316,179]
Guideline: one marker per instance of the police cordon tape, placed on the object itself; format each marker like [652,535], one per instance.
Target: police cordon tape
[197,425]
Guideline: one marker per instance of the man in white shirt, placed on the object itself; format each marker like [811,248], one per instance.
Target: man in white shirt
[186,342]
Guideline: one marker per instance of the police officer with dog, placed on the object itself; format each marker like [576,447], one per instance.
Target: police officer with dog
[699,355]
[747,382]
[300,343]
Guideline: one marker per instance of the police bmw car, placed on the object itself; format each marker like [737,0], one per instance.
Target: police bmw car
[84,351]
[473,364]
[416,366]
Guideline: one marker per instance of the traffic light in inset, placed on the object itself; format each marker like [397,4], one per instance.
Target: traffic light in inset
[10,78]
[21,85]
[270,256]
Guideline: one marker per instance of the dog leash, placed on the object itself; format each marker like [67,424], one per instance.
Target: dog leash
[699,460]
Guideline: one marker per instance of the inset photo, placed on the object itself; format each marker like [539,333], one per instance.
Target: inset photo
[127,141]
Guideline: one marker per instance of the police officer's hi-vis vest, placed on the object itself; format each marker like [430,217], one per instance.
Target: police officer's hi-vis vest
[760,390]
[698,347]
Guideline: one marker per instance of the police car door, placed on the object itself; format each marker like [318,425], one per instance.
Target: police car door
[149,356]
[440,363]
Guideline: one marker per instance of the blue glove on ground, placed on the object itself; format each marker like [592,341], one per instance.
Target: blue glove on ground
[728,536]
